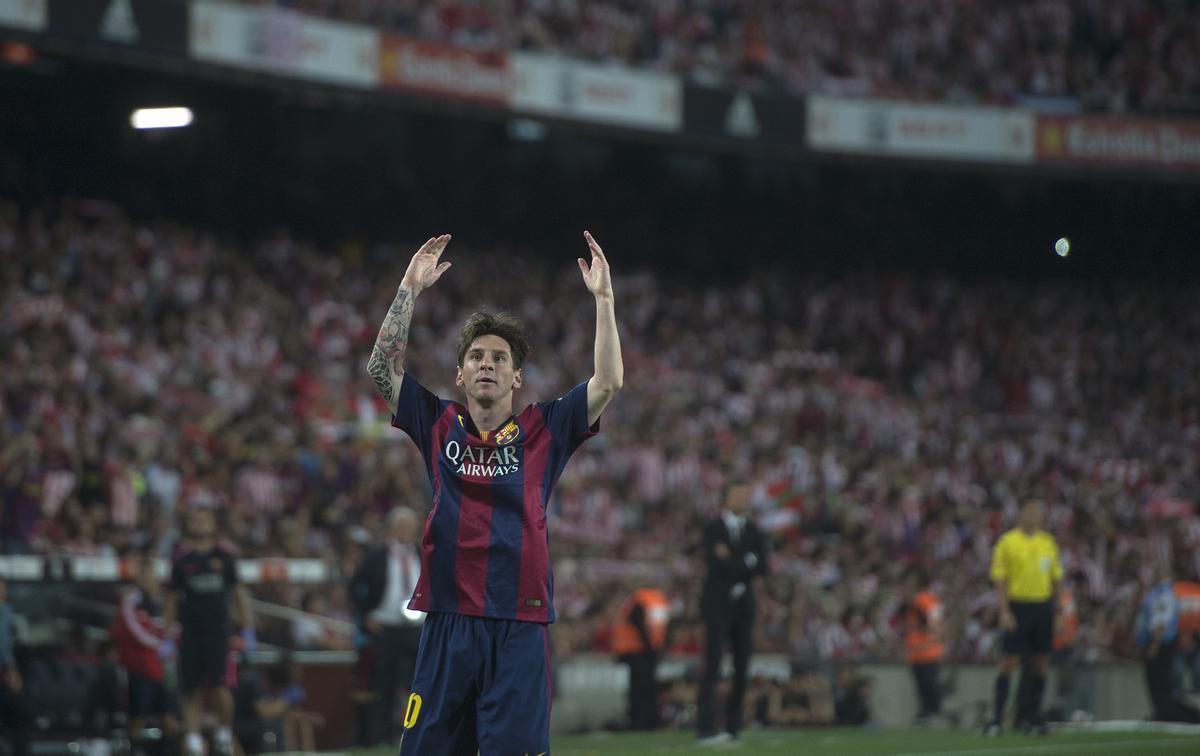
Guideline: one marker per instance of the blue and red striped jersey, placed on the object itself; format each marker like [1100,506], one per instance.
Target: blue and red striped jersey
[485,551]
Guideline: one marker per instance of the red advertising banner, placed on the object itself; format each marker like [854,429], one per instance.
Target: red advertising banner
[1119,141]
[442,70]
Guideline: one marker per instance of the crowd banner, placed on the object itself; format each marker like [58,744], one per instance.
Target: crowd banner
[1119,142]
[935,132]
[439,70]
[610,95]
[284,42]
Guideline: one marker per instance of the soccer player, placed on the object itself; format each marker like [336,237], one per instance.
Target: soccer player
[482,680]
[1026,571]
[203,579]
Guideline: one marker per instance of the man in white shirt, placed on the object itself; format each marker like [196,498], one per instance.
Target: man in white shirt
[380,589]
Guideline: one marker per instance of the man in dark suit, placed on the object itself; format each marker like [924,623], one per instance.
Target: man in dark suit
[380,590]
[735,551]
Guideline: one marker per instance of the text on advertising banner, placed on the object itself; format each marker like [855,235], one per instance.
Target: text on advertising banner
[938,132]
[1119,141]
[554,86]
[285,42]
[440,70]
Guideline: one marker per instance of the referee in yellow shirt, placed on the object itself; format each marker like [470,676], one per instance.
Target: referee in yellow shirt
[1026,571]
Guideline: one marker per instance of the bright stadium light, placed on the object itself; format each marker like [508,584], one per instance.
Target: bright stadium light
[160,118]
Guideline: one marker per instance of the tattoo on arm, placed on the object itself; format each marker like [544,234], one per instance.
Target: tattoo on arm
[387,357]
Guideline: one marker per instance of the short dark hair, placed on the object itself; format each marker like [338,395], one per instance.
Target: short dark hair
[501,324]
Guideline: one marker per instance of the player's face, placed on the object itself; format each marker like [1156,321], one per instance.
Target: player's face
[201,524]
[487,373]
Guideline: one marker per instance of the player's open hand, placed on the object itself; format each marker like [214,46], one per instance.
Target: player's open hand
[596,276]
[426,268]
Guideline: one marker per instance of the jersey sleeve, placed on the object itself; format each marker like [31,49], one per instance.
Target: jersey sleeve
[1056,568]
[566,417]
[417,409]
[999,569]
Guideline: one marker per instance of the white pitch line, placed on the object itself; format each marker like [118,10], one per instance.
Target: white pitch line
[1067,747]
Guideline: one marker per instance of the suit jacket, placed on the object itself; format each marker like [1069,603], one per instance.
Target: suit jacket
[747,560]
[369,582]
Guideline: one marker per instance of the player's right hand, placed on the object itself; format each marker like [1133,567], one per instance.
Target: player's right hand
[1007,621]
[424,270]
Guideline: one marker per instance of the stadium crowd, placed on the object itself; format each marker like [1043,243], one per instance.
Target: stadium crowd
[1128,55]
[888,420]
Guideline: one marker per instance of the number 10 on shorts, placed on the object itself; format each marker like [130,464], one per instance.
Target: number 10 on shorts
[412,712]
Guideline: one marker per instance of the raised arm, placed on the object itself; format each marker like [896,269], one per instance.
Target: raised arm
[609,374]
[386,366]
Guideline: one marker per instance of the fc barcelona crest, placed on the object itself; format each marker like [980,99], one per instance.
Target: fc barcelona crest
[508,433]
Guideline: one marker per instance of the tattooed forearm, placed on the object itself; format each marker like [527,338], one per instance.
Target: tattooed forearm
[386,365]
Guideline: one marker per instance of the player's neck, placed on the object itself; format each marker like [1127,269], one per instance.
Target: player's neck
[202,545]
[1028,531]
[487,419]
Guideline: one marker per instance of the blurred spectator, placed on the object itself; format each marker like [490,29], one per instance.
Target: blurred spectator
[805,698]
[267,713]
[638,640]
[886,420]
[14,712]
[311,633]
[852,704]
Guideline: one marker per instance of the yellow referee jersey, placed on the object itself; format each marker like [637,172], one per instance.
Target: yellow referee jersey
[1029,564]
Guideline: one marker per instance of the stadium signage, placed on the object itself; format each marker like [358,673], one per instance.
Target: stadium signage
[148,25]
[284,42]
[113,569]
[937,132]
[443,70]
[613,95]
[29,15]
[1119,141]
[740,116]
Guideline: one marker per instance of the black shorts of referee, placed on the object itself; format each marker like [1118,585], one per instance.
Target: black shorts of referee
[1034,633]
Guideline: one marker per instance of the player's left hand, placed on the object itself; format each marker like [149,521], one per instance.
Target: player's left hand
[596,277]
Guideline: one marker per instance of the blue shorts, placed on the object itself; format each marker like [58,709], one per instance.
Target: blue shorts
[481,685]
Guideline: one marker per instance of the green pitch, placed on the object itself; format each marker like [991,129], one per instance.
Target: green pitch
[880,742]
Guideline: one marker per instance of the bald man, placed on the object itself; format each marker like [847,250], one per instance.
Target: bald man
[380,589]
